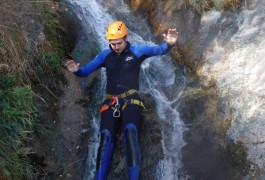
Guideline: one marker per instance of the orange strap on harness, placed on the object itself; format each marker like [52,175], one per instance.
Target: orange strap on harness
[106,107]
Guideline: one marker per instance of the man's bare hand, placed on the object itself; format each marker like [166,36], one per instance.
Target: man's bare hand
[72,66]
[171,37]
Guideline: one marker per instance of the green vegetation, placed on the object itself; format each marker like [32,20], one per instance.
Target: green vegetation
[52,29]
[51,62]
[237,154]
[16,120]
[26,59]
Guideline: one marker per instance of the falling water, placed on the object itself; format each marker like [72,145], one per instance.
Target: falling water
[158,77]
[238,67]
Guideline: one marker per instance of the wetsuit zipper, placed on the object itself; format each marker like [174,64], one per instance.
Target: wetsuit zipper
[120,72]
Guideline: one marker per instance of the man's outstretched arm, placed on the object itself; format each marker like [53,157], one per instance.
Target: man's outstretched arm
[171,37]
[87,69]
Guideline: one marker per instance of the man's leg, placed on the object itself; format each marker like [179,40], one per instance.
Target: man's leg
[107,141]
[131,118]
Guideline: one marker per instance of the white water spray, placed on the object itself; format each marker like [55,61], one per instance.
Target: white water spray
[238,67]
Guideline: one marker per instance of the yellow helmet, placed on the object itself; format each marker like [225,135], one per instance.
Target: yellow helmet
[116,30]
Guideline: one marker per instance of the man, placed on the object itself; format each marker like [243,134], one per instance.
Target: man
[122,62]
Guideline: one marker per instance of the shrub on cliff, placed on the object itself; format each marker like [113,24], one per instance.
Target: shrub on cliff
[26,58]
[16,119]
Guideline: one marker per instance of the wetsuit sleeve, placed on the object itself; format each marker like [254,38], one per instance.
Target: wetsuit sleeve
[93,65]
[149,51]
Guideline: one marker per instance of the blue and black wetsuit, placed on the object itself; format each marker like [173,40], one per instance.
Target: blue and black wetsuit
[122,75]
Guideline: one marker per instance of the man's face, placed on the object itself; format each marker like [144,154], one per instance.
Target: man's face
[118,45]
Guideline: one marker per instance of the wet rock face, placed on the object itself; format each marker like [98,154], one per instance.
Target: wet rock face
[203,158]
[163,15]
[60,148]
[207,154]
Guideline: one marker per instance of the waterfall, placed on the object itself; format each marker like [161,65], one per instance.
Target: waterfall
[236,60]
[158,77]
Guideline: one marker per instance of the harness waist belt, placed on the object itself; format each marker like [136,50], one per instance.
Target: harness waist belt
[123,95]
[132,101]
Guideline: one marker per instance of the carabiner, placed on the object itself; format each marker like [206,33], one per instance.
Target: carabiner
[116,112]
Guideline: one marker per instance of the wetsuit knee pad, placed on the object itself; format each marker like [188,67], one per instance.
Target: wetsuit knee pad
[133,154]
[104,155]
